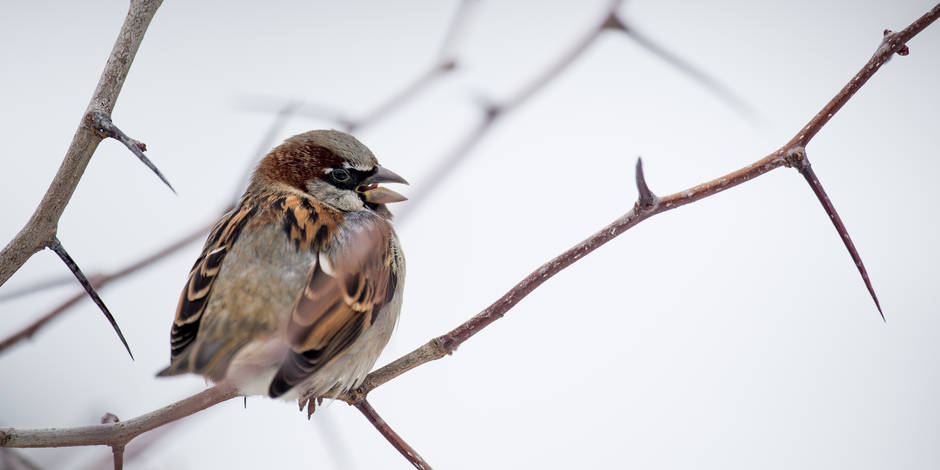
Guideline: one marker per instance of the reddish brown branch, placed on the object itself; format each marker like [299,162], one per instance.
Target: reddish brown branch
[890,44]
[789,155]
[391,436]
[57,247]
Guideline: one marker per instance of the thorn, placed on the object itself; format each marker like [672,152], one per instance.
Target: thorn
[102,125]
[57,247]
[807,171]
[245,402]
[646,198]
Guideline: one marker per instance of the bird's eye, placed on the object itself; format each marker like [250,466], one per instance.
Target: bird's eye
[340,175]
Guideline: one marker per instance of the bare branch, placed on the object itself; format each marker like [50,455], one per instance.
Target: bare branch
[445,52]
[47,283]
[725,94]
[57,247]
[102,124]
[390,434]
[492,113]
[41,228]
[116,434]
[448,343]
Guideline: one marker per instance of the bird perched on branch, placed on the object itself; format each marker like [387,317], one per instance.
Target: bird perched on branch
[298,288]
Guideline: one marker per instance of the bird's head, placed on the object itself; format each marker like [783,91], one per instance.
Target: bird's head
[333,167]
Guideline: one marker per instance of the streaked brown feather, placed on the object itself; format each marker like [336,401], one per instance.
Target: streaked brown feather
[305,229]
[339,303]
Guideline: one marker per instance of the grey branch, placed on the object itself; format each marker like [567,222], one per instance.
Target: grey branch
[39,232]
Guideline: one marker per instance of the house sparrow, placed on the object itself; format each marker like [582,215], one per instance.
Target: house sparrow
[298,288]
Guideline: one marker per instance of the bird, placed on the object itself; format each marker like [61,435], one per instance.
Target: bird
[298,288]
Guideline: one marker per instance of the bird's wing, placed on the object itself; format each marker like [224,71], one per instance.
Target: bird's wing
[198,287]
[345,291]
[298,218]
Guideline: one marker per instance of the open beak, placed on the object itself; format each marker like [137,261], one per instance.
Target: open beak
[376,194]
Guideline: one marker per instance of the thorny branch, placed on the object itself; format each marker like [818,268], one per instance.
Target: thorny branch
[647,206]
[40,231]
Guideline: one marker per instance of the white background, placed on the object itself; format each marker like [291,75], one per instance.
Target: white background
[732,333]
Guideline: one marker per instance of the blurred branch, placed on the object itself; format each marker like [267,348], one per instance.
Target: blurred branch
[442,65]
[101,280]
[391,436]
[40,231]
[492,112]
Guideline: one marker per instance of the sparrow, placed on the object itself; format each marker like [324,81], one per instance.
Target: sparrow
[298,288]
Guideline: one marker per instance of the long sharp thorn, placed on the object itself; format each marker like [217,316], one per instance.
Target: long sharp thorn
[807,171]
[57,247]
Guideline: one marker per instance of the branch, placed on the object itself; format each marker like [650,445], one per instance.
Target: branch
[492,112]
[57,247]
[391,435]
[39,232]
[645,208]
[120,433]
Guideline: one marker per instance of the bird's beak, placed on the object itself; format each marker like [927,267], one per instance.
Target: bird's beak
[376,194]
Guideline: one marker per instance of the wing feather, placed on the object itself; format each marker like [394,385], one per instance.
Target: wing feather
[344,294]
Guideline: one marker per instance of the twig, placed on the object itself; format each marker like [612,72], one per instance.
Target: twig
[41,228]
[711,84]
[492,112]
[102,124]
[116,434]
[391,436]
[48,283]
[445,52]
[100,281]
[57,247]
